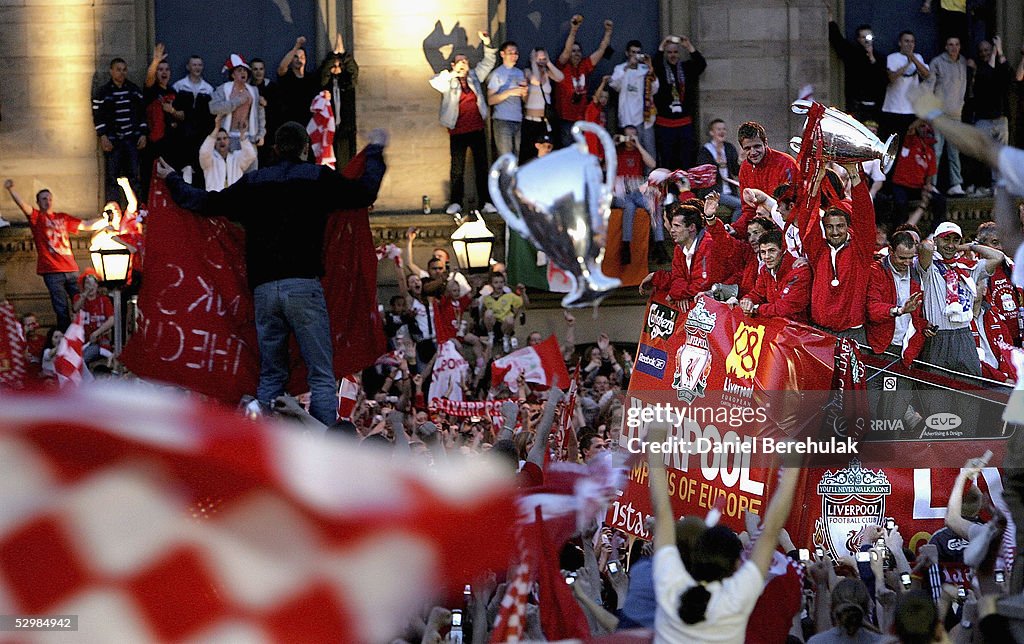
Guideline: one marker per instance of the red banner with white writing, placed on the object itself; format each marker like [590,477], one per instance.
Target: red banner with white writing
[198,327]
[732,379]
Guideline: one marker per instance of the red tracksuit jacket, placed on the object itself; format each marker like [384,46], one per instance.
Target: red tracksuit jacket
[774,170]
[881,324]
[682,283]
[786,294]
[842,307]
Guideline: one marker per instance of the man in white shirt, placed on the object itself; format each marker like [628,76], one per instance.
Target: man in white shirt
[221,166]
[906,69]
[636,83]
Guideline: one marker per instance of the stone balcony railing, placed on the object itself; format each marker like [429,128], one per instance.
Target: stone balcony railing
[26,291]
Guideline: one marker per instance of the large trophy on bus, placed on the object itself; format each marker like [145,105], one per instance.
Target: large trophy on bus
[847,140]
[560,203]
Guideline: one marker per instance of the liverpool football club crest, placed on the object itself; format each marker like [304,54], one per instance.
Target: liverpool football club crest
[693,359]
[851,499]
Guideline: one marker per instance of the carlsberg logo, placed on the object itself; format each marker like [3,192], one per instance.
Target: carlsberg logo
[657,363]
[661,321]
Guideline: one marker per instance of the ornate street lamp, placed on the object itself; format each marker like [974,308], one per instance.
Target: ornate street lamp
[473,242]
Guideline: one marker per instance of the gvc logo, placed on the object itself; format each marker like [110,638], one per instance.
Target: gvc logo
[943,420]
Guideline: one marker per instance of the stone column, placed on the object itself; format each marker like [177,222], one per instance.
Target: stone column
[760,53]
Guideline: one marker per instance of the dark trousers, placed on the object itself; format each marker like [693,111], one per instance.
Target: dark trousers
[476,143]
[63,288]
[676,147]
[901,197]
[122,161]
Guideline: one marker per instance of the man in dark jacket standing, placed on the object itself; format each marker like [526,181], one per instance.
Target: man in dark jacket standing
[676,102]
[284,210]
[119,116]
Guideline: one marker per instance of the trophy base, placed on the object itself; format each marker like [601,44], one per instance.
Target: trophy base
[590,292]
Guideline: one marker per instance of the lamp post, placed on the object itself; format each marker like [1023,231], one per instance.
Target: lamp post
[111,258]
[473,242]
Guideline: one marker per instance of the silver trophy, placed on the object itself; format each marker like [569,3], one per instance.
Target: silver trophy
[847,140]
[560,203]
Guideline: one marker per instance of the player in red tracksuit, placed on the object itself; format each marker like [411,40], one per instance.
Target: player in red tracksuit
[764,169]
[886,307]
[782,289]
[840,246]
[695,267]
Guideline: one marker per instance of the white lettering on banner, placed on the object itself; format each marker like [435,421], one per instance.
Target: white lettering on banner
[630,519]
[212,299]
[923,508]
[208,351]
[176,284]
[719,465]
[713,462]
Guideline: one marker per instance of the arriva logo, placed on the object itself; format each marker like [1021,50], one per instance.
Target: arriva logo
[943,421]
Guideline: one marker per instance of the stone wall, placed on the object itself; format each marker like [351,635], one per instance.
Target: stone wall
[760,53]
[53,52]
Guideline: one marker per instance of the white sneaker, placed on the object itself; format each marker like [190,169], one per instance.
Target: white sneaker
[4,223]
[454,209]
[956,191]
[514,342]
[984,192]
[489,209]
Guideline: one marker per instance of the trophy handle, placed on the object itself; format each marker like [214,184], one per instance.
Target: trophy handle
[610,158]
[504,169]
[800,106]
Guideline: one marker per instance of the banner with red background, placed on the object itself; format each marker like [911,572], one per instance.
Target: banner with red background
[748,379]
[197,327]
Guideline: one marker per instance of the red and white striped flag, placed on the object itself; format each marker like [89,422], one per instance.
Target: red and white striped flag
[160,518]
[542,365]
[321,129]
[12,349]
[69,364]
[348,391]
[565,425]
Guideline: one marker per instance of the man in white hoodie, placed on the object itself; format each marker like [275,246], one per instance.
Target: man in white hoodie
[221,165]
[239,103]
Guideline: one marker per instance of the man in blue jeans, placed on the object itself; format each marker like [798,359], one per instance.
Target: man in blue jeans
[284,210]
[506,89]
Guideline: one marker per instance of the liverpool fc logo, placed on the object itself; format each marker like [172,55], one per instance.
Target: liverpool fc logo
[850,499]
[693,359]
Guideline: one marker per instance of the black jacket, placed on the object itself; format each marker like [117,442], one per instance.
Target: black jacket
[284,210]
[119,112]
[732,160]
[692,69]
[865,81]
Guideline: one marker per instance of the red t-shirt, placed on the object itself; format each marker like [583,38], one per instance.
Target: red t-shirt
[53,248]
[574,84]
[469,113]
[447,315]
[915,164]
[595,114]
[94,313]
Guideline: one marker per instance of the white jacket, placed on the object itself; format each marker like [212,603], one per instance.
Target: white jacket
[221,103]
[220,172]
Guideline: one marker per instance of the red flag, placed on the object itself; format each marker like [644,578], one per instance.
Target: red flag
[69,364]
[12,349]
[347,394]
[542,364]
[165,519]
[197,327]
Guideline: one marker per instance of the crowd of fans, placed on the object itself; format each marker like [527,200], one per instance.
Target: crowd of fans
[840,264]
